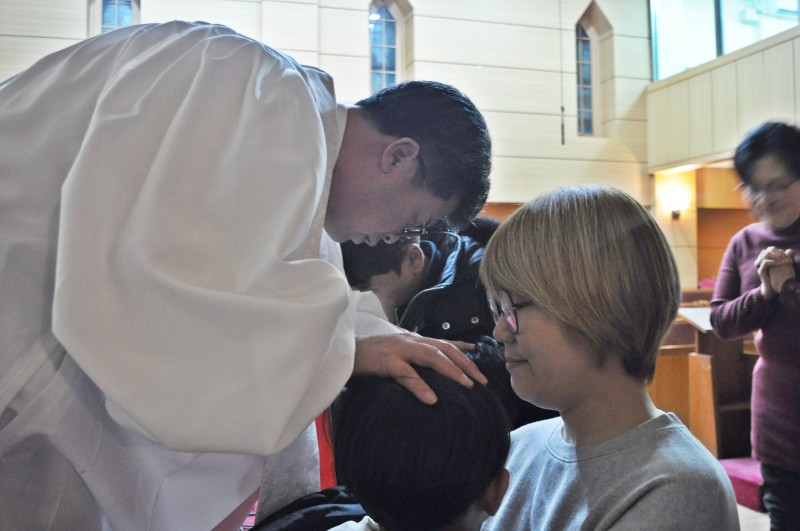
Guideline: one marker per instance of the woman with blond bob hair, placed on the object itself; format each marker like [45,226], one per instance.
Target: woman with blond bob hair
[583,286]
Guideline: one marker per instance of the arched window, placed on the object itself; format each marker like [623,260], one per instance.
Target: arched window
[108,15]
[594,40]
[583,49]
[383,47]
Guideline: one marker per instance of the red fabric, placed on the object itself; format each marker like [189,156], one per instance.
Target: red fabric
[327,475]
[745,476]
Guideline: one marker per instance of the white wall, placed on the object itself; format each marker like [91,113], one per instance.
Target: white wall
[514,58]
[31,29]
[700,116]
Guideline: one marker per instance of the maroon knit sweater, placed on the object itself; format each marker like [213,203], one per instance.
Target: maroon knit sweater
[738,308]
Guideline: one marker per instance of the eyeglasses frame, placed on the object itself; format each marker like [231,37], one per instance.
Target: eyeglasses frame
[495,305]
[753,191]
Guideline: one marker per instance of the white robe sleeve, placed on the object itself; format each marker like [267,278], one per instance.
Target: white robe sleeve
[184,288]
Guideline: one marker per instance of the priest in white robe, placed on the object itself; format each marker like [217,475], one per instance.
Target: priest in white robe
[166,322]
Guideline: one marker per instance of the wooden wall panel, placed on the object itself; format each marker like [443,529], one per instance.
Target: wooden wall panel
[31,29]
[680,233]
[244,17]
[292,27]
[607,56]
[749,86]
[630,133]
[528,135]
[750,91]
[700,105]
[656,118]
[344,32]
[454,41]
[350,74]
[686,258]
[724,116]
[409,51]
[608,105]
[516,12]
[715,188]
[628,18]
[340,4]
[502,89]
[715,227]
[19,53]
[668,125]
[671,378]
[630,98]
[779,90]
[524,178]
[632,57]
[677,125]
[305,58]
[515,58]
[66,19]
[702,402]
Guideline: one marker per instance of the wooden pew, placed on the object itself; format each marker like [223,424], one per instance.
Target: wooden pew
[707,385]
[683,384]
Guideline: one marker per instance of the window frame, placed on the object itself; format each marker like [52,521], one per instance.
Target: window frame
[399,18]
[95,16]
[582,34]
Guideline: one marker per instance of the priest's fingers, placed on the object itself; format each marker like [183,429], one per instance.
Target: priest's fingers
[393,355]
[452,350]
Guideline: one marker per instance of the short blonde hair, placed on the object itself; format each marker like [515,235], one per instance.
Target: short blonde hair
[595,259]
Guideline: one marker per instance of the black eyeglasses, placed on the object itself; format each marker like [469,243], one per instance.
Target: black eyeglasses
[426,228]
[420,230]
[507,308]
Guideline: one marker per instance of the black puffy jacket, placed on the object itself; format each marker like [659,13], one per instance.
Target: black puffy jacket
[452,305]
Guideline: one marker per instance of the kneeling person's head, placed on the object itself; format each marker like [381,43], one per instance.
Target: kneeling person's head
[418,467]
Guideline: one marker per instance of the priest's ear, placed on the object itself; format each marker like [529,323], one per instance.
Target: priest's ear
[398,154]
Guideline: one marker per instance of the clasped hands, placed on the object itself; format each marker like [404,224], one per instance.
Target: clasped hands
[775,266]
[393,354]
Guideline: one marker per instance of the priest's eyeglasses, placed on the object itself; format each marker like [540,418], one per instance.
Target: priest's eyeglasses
[426,228]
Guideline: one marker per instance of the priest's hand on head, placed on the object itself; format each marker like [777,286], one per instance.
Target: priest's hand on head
[392,355]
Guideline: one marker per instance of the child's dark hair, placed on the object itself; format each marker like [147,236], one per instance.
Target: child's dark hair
[412,466]
[362,261]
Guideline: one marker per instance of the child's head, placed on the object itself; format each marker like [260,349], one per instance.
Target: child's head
[594,259]
[362,262]
[416,467]
[395,272]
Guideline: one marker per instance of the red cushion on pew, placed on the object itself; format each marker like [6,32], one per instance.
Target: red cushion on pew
[745,476]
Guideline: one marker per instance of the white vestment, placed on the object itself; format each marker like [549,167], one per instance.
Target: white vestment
[165,319]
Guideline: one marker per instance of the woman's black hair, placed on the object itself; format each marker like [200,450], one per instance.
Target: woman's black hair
[770,138]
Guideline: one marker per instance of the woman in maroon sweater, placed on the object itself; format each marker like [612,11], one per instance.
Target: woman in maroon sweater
[757,290]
